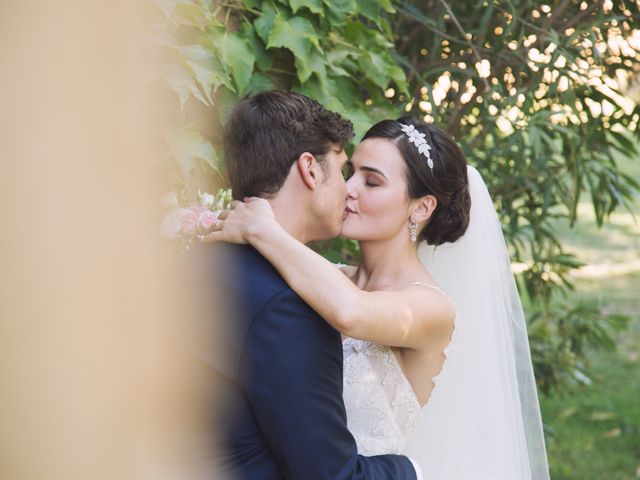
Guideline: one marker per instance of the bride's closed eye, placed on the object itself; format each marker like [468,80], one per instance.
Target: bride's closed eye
[373,179]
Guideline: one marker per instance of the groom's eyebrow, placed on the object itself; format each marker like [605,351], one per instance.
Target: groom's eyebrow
[374,170]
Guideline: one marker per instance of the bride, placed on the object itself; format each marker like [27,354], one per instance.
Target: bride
[436,356]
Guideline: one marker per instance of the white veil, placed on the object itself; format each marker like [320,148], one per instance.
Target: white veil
[483,419]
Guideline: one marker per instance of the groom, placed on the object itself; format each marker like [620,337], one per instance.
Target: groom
[283,415]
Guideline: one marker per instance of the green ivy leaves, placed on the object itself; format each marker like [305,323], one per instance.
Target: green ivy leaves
[264,23]
[297,34]
[187,146]
[314,6]
[340,11]
[237,55]
[206,69]
[336,51]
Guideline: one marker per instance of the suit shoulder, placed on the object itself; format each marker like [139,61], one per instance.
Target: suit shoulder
[289,314]
[239,261]
[248,278]
[259,276]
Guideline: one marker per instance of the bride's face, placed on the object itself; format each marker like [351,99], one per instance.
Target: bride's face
[377,199]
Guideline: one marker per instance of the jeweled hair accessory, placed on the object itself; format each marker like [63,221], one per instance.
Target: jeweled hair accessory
[417,138]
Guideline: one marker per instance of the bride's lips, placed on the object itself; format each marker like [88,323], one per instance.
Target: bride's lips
[349,210]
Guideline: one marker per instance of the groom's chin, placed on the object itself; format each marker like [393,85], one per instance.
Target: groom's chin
[329,233]
[338,229]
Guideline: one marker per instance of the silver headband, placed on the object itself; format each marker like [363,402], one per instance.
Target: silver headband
[417,138]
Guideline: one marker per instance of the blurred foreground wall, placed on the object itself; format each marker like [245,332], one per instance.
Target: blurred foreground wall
[94,325]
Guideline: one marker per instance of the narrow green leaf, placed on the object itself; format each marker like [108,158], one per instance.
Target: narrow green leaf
[398,76]
[487,16]
[387,6]
[417,14]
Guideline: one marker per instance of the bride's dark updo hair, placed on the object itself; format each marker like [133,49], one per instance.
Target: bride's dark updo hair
[447,182]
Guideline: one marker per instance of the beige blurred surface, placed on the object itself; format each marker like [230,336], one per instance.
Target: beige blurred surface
[94,381]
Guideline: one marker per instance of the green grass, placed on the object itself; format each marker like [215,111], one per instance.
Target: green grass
[594,432]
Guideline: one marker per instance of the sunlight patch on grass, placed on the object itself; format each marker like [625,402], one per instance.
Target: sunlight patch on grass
[612,250]
[603,270]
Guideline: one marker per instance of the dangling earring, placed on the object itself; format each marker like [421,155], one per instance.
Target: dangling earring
[413,230]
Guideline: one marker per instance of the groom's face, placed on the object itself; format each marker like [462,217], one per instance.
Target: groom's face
[330,197]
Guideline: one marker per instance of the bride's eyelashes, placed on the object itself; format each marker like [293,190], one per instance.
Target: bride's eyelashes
[373,179]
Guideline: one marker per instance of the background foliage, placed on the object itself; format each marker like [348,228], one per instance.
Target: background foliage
[539,96]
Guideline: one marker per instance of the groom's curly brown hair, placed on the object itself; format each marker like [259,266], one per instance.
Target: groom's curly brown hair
[267,132]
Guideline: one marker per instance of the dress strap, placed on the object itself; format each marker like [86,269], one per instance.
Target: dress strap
[433,287]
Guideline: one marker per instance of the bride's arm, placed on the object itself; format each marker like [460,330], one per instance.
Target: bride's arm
[397,318]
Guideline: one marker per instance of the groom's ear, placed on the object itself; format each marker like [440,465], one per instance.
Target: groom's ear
[424,208]
[309,170]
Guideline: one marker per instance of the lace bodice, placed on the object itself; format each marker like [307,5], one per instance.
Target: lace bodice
[382,409]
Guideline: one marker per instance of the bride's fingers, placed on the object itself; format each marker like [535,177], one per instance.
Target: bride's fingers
[212,237]
[234,204]
[223,214]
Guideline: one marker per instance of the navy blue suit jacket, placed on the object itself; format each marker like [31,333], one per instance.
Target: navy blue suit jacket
[282,410]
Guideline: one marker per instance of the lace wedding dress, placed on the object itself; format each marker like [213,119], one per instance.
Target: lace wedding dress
[382,409]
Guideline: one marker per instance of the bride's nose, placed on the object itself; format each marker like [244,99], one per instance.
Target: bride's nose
[351,190]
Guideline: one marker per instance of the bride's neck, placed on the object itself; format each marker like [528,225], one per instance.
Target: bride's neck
[390,263]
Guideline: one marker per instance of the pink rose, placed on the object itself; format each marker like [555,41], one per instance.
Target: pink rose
[205,221]
[197,220]
[189,219]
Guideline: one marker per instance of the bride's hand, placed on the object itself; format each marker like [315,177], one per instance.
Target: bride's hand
[241,221]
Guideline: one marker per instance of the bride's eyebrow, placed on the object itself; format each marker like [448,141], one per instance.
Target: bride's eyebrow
[374,170]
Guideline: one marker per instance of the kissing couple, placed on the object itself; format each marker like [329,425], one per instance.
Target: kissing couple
[414,363]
